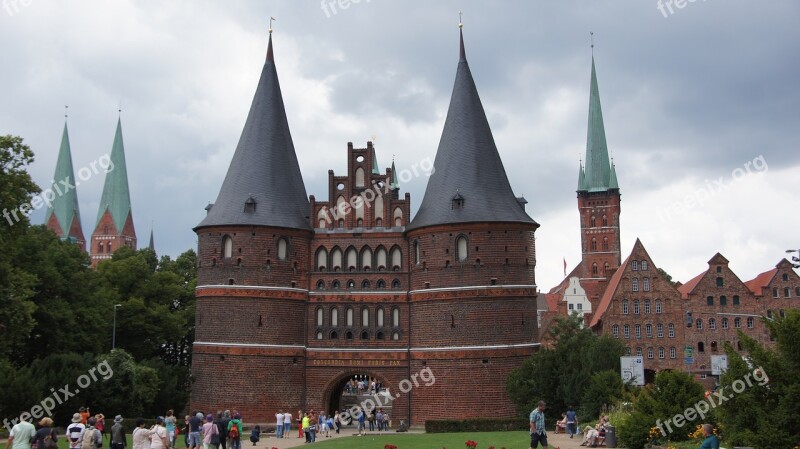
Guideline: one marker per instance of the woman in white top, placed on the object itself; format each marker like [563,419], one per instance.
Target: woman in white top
[141,436]
[158,434]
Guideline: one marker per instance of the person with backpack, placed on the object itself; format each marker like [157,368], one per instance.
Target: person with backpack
[92,438]
[235,432]
[255,434]
[75,432]
[46,437]
[118,440]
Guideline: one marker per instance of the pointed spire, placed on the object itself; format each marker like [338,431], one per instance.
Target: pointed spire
[462,54]
[581,178]
[613,184]
[264,172]
[598,167]
[63,215]
[116,198]
[152,244]
[468,165]
[376,170]
[395,185]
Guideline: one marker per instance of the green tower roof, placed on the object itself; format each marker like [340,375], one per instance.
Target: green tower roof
[65,205]
[581,178]
[395,185]
[376,170]
[116,196]
[598,171]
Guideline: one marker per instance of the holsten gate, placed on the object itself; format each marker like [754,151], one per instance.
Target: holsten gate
[296,295]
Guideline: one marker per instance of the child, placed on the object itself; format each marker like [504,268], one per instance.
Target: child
[255,434]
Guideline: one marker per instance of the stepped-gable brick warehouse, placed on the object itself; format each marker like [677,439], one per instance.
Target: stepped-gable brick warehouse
[349,284]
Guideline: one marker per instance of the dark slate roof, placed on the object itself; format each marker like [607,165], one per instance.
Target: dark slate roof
[467,164]
[264,166]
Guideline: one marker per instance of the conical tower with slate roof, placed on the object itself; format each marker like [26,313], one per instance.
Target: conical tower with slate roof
[253,253]
[114,225]
[473,288]
[469,190]
[63,216]
[598,198]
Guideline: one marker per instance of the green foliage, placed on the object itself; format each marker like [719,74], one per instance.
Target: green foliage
[57,314]
[605,388]
[672,394]
[764,414]
[561,375]
[476,425]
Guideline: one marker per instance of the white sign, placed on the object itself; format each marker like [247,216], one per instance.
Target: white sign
[719,364]
[632,370]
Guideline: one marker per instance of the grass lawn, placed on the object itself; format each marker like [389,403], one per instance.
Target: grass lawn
[508,440]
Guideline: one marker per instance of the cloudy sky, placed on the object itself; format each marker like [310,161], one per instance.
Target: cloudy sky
[701,106]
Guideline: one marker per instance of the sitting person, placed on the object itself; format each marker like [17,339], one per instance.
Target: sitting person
[590,435]
[561,425]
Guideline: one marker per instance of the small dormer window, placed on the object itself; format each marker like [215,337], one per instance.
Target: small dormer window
[457,202]
[250,205]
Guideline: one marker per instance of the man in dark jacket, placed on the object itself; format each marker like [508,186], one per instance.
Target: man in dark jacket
[118,440]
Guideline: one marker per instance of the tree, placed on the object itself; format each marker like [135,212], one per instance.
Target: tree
[672,393]
[604,388]
[16,287]
[763,389]
[560,376]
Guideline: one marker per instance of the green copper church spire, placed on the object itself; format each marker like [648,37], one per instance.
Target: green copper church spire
[598,170]
[65,204]
[116,197]
[395,185]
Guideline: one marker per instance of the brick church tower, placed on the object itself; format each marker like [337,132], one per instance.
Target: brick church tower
[598,198]
[114,226]
[297,297]
[63,216]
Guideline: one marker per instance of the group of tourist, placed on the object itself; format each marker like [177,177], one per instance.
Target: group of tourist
[592,436]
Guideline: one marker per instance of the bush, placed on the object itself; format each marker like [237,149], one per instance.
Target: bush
[476,425]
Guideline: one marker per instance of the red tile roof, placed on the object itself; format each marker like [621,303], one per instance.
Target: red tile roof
[757,284]
[687,288]
[605,301]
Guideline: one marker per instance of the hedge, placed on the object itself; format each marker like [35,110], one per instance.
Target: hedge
[476,425]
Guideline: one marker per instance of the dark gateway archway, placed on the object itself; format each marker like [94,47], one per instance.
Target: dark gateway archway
[358,388]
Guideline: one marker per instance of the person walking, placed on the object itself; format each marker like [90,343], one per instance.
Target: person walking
[235,432]
[287,424]
[300,431]
[538,432]
[210,433]
[158,434]
[169,424]
[711,441]
[572,421]
[279,424]
[140,436]
[75,431]
[118,440]
[305,425]
[46,437]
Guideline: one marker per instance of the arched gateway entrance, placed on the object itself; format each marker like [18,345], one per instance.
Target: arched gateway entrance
[358,388]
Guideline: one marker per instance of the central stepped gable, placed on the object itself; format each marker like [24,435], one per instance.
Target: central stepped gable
[263,186]
[469,183]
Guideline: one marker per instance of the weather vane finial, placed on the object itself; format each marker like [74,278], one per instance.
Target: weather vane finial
[591,40]
[65,111]
[270,24]
[119,110]
[460,23]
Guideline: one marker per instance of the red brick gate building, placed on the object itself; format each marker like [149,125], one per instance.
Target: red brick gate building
[295,296]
